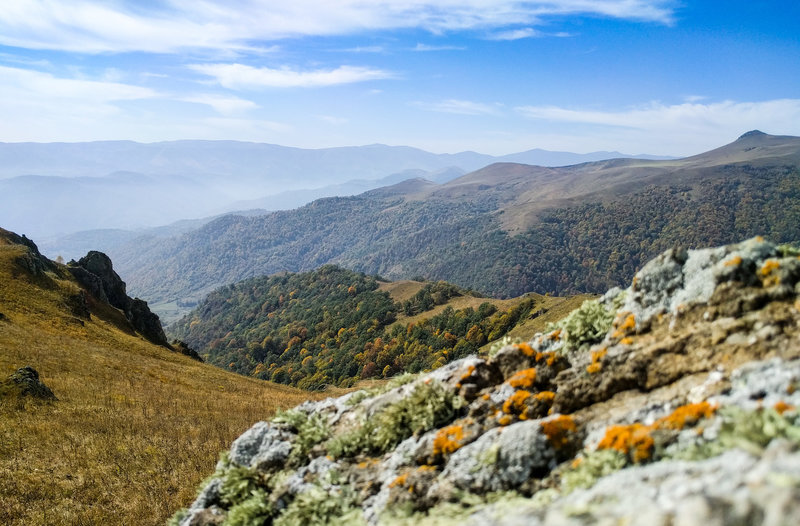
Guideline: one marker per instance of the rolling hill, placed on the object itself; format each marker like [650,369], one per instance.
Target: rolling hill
[504,230]
[136,426]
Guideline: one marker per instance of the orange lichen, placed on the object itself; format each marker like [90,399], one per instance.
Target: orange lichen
[555,335]
[769,266]
[448,440]
[735,261]
[516,403]
[486,396]
[577,462]
[399,481]
[626,340]
[505,420]
[523,379]
[596,366]
[633,440]
[636,441]
[781,407]
[526,349]
[465,376]
[545,396]
[623,328]
[768,272]
[685,415]
[548,356]
[558,430]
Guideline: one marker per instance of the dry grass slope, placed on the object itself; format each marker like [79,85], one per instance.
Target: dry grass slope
[136,427]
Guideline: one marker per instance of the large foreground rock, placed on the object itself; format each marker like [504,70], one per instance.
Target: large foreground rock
[673,402]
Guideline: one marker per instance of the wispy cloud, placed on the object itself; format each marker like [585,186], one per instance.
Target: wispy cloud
[241,76]
[427,47]
[516,34]
[461,107]
[363,49]
[223,105]
[684,128]
[36,84]
[174,25]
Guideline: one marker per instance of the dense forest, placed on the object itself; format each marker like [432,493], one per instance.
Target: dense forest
[333,326]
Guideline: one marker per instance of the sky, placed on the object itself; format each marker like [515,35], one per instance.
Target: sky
[659,77]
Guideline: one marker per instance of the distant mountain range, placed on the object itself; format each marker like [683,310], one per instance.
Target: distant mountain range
[503,230]
[129,185]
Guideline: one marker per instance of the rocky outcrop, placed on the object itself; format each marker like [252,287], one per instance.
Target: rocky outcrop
[671,402]
[25,382]
[96,274]
[183,348]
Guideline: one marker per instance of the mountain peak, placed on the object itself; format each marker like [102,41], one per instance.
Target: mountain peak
[753,133]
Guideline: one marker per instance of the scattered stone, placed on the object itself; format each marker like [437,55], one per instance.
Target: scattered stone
[25,382]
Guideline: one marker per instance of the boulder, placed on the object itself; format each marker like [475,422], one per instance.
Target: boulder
[25,382]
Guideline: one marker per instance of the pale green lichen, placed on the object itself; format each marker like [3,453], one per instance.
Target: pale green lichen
[429,405]
[392,383]
[177,517]
[311,430]
[751,431]
[317,507]
[587,469]
[464,504]
[586,325]
[789,250]
[256,510]
[495,347]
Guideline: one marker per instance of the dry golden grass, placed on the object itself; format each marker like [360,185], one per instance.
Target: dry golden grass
[136,427]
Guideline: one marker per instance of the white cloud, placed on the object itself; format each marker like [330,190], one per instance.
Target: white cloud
[223,105]
[363,49]
[461,107]
[173,25]
[241,76]
[516,34]
[426,47]
[30,84]
[678,129]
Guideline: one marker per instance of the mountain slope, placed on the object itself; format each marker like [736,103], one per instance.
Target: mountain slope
[136,426]
[504,230]
[674,401]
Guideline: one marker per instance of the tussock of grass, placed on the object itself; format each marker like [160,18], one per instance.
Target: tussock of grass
[136,428]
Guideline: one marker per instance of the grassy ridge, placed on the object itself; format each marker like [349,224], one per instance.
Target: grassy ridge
[136,427]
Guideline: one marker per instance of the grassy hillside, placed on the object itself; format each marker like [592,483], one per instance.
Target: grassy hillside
[136,427]
[333,326]
[504,230]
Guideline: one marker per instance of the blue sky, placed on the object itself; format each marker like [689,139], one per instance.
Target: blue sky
[494,76]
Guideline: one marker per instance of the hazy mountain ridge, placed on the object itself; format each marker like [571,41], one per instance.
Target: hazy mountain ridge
[129,185]
[504,230]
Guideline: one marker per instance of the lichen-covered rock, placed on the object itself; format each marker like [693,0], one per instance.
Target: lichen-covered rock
[674,401]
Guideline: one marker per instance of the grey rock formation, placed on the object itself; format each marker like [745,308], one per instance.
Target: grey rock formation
[25,382]
[96,274]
